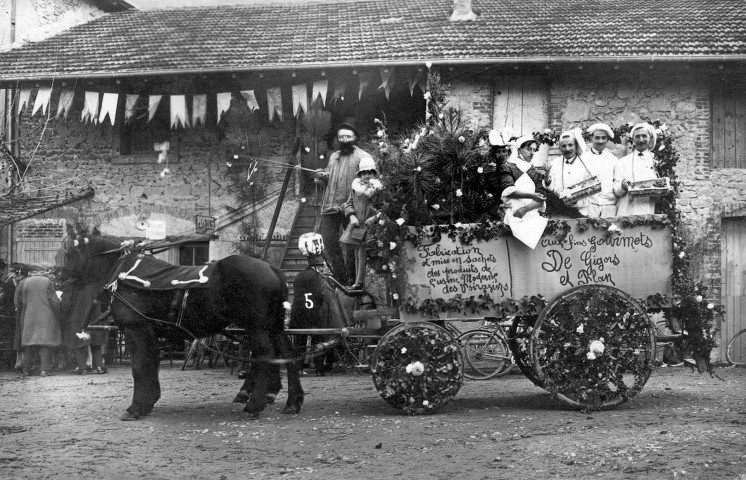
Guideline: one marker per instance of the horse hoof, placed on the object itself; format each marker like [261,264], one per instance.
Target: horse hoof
[242,397]
[291,410]
[270,398]
[252,415]
[128,417]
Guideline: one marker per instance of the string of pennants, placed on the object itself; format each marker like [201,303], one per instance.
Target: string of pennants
[98,106]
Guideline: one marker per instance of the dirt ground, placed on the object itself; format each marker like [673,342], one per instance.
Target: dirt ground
[682,426]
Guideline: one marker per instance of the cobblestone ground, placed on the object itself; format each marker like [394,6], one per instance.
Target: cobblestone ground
[682,426]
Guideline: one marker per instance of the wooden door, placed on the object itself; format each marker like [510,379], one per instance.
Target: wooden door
[522,103]
[40,242]
[734,280]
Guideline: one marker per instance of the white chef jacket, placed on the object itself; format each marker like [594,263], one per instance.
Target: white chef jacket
[634,167]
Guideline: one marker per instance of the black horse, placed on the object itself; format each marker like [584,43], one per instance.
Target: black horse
[148,296]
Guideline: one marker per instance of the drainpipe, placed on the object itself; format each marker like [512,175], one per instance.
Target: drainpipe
[11,124]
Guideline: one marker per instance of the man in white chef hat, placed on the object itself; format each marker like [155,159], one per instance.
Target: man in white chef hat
[638,165]
[602,163]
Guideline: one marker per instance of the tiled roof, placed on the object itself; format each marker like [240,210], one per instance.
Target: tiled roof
[366,32]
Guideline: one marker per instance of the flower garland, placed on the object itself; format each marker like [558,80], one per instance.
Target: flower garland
[417,368]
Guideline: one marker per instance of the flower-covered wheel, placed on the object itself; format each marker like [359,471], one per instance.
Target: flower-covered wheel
[593,347]
[417,367]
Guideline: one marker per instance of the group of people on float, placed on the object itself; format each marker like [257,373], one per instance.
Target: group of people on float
[524,186]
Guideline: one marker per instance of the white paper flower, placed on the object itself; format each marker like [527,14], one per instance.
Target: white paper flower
[699,298]
[459,225]
[308,149]
[427,96]
[286,305]
[590,356]
[710,306]
[415,368]
[235,157]
[396,296]
[425,403]
[459,193]
[381,222]
[83,335]
[441,116]
[228,164]
[400,221]
[303,200]
[580,328]
[481,142]
[392,245]
[321,157]
[436,206]
[403,350]
[613,228]
[547,131]
[682,254]
[597,347]
[461,139]
[480,170]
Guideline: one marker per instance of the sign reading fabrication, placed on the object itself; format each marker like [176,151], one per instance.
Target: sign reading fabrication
[204,224]
[638,262]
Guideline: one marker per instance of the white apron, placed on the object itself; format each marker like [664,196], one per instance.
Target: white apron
[530,227]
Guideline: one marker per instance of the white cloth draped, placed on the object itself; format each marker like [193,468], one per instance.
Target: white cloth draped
[320,89]
[199,109]
[90,107]
[42,100]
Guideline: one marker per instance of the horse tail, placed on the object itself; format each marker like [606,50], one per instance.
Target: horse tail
[281,300]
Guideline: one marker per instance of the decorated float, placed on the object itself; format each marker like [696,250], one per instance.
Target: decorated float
[578,302]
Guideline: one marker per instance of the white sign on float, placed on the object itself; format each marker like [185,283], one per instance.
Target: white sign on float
[156,230]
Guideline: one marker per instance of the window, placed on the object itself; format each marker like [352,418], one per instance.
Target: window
[194,253]
[138,135]
[728,125]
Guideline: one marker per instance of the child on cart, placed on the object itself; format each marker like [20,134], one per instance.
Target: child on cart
[360,212]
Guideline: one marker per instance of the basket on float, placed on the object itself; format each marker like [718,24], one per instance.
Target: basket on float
[579,191]
[656,187]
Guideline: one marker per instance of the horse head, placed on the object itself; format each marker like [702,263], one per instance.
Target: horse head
[91,258]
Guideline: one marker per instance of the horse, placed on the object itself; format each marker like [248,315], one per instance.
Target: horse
[147,296]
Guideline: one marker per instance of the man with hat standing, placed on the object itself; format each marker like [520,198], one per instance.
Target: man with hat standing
[338,176]
[602,163]
[638,165]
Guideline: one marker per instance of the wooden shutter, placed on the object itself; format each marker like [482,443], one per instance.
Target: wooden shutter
[728,125]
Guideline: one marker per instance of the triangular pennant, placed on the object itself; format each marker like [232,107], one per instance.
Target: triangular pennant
[23,99]
[199,109]
[109,107]
[364,78]
[339,92]
[320,87]
[90,108]
[274,103]
[414,78]
[42,100]
[178,111]
[224,103]
[153,102]
[300,98]
[250,98]
[65,103]
[130,101]
[387,79]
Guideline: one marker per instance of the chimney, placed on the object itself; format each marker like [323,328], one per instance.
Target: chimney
[462,11]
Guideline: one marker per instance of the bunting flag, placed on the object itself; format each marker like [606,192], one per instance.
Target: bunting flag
[199,109]
[300,98]
[320,87]
[90,108]
[153,102]
[42,100]
[109,107]
[23,99]
[250,98]
[387,79]
[364,78]
[179,111]
[415,77]
[224,103]
[65,103]
[274,103]
[339,92]
[129,107]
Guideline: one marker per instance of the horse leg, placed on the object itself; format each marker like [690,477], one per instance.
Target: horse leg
[262,348]
[274,385]
[143,345]
[295,391]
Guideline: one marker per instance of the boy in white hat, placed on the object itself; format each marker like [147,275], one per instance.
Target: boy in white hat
[602,163]
[638,165]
